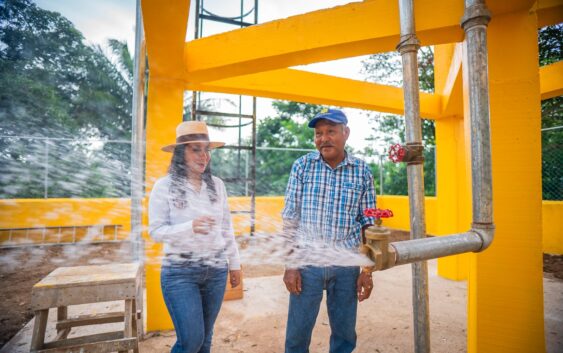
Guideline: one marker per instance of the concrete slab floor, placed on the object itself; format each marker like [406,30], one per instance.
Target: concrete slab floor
[257,322]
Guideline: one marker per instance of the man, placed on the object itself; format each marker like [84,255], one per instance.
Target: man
[323,217]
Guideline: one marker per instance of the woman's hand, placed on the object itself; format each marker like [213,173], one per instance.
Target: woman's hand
[364,285]
[235,277]
[203,224]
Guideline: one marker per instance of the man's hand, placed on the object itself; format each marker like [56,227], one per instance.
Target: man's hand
[364,285]
[292,280]
[235,278]
[203,224]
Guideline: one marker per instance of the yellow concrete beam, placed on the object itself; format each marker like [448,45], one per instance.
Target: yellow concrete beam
[551,80]
[344,31]
[452,93]
[550,12]
[165,23]
[302,86]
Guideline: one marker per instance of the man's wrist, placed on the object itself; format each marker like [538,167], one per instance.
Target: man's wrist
[367,270]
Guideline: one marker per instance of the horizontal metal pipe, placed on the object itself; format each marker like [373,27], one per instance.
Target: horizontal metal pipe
[410,251]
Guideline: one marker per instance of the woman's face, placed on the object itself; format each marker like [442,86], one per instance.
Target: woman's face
[196,157]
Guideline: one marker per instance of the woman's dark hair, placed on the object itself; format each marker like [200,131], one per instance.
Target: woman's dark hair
[178,171]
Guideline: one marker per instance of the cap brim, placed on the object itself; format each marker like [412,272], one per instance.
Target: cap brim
[314,122]
[212,145]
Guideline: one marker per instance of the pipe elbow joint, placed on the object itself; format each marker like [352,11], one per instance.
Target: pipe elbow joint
[486,232]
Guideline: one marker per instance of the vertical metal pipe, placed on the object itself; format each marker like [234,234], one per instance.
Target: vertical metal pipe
[408,47]
[137,140]
[474,22]
[46,171]
[253,171]
[381,175]
[196,36]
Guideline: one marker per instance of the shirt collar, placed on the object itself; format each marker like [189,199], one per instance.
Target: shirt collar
[348,159]
[191,187]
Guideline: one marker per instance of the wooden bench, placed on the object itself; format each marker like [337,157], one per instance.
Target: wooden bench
[67,286]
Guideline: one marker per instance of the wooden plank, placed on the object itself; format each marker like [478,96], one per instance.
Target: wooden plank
[62,334]
[95,319]
[90,275]
[39,327]
[136,324]
[77,341]
[123,344]
[128,329]
[55,297]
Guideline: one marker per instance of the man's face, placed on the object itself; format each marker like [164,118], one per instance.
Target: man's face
[330,139]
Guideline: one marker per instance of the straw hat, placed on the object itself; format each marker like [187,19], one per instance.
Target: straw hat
[192,132]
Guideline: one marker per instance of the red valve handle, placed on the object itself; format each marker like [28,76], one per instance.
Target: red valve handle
[397,153]
[378,213]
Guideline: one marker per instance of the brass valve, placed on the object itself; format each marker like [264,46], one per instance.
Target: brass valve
[377,247]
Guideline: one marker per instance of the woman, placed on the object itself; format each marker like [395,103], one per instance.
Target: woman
[188,212]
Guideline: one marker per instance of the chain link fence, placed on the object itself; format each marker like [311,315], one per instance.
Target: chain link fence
[273,166]
[33,167]
[552,163]
[38,167]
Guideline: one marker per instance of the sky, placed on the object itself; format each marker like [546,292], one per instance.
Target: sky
[103,19]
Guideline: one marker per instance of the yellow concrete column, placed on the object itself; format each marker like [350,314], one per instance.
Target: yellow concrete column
[505,301]
[454,200]
[164,112]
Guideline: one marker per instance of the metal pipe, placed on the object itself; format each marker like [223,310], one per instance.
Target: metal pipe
[408,47]
[474,22]
[430,248]
[137,140]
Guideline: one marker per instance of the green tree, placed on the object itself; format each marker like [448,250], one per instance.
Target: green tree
[52,85]
[286,130]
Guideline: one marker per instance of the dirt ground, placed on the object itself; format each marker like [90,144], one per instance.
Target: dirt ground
[22,267]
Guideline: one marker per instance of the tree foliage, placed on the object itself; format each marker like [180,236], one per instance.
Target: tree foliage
[53,86]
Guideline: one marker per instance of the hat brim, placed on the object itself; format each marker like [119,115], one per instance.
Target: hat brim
[314,122]
[212,145]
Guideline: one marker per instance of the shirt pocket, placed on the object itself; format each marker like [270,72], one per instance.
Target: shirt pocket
[350,196]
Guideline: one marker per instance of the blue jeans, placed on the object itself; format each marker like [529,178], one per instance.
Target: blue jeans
[341,300]
[193,293]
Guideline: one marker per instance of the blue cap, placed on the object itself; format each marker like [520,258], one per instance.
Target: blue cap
[334,115]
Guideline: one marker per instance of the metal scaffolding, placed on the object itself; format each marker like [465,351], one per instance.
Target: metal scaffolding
[197,113]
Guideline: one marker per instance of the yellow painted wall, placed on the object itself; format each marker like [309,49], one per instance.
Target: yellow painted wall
[37,213]
[552,222]
[81,213]
[400,207]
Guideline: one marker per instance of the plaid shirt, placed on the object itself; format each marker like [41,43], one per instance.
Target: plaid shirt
[327,204]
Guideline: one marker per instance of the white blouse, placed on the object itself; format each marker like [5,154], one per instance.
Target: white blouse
[173,226]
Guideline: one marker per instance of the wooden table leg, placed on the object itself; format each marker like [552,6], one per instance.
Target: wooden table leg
[39,327]
[128,321]
[62,314]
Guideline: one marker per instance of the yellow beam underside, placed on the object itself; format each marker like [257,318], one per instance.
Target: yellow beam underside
[302,86]
[549,12]
[354,29]
[452,94]
[551,80]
